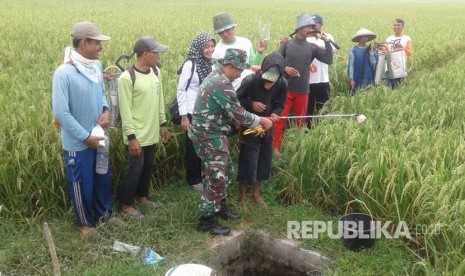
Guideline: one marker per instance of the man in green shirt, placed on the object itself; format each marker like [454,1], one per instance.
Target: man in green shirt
[143,119]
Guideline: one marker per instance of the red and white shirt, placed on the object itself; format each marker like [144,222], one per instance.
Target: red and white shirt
[319,70]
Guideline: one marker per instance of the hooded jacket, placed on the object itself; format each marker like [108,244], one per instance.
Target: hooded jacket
[252,89]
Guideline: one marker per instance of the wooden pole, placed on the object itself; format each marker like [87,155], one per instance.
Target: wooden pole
[51,248]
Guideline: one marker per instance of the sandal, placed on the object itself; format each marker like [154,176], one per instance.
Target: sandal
[116,221]
[86,230]
[146,202]
[131,212]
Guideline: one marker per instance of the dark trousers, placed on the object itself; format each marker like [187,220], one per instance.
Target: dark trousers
[393,83]
[255,160]
[136,180]
[319,95]
[193,164]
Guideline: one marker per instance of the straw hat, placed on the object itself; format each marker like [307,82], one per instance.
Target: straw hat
[363,32]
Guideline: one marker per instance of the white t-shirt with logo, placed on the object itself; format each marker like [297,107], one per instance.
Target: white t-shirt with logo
[240,43]
[319,70]
[403,41]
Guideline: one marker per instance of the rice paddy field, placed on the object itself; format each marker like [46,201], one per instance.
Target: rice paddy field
[406,162]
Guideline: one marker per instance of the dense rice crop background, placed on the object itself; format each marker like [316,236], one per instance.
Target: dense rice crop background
[406,162]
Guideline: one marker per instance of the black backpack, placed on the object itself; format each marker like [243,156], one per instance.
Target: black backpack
[114,105]
[174,107]
[112,79]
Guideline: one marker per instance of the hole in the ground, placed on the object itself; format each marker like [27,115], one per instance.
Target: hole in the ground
[254,253]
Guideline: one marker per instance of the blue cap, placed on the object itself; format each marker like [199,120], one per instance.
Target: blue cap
[317,19]
[303,20]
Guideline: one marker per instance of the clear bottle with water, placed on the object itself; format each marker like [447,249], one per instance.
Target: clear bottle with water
[103,154]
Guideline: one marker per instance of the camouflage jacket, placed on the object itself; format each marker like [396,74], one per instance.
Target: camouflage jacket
[217,108]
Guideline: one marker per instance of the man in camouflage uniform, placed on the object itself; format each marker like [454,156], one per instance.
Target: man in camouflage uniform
[215,110]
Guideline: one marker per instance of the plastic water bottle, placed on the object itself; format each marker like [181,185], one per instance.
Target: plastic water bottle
[103,157]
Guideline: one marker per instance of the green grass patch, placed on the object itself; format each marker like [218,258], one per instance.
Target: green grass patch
[170,231]
[405,162]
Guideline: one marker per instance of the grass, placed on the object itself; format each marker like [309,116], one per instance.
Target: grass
[169,230]
[405,162]
[386,161]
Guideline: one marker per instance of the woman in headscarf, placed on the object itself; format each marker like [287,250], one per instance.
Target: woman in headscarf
[192,71]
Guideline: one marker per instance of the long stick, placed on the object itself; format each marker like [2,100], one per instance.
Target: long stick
[319,116]
[51,248]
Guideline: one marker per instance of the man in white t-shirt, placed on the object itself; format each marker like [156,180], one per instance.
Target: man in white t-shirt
[399,42]
[224,26]
[319,76]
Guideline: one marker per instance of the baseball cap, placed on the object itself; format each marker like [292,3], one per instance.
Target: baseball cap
[317,19]
[146,43]
[87,29]
[271,74]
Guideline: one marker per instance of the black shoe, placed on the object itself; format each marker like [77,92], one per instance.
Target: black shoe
[224,213]
[208,224]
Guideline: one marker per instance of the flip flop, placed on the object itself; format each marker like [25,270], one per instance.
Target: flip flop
[116,221]
[136,214]
[150,203]
[86,230]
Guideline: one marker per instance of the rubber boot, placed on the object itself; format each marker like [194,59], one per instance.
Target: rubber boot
[208,224]
[224,212]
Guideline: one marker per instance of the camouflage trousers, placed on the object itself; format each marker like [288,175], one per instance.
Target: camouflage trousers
[217,171]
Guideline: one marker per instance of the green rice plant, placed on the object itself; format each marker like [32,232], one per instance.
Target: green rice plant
[388,164]
[291,192]
[405,161]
